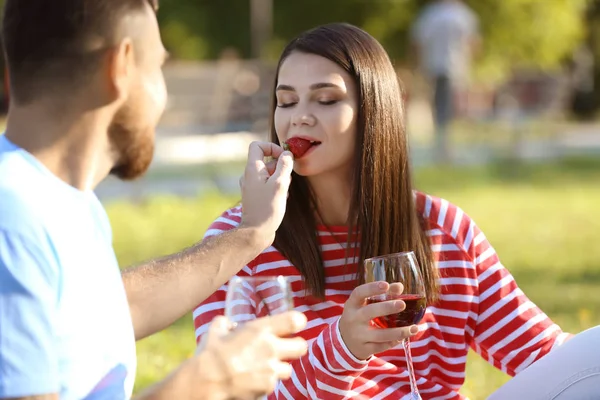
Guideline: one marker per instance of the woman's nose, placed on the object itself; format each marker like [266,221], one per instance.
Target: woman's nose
[303,117]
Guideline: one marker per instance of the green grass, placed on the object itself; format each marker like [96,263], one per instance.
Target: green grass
[543,220]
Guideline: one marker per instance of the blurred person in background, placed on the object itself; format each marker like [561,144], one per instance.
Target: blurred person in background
[87,92]
[444,38]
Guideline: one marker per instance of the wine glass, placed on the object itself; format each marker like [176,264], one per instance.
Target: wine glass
[399,268]
[251,297]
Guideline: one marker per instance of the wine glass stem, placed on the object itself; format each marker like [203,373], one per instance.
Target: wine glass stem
[411,371]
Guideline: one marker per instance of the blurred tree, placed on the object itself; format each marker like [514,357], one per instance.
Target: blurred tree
[528,33]
[585,104]
[516,33]
[203,29]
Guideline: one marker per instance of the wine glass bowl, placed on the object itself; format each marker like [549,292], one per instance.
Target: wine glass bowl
[401,271]
[250,297]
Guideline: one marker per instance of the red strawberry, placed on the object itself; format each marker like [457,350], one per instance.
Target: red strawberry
[297,146]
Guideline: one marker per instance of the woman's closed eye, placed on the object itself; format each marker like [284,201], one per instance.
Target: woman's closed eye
[293,103]
[327,102]
[286,105]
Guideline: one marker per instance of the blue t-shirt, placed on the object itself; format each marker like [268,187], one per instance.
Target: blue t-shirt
[65,325]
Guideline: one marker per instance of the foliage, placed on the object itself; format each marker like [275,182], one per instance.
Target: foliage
[532,33]
[528,33]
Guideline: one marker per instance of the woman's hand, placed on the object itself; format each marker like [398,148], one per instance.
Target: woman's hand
[360,336]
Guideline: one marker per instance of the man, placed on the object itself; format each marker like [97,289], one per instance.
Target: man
[444,38]
[86,94]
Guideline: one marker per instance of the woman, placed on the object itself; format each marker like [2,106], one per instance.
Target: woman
[337,89]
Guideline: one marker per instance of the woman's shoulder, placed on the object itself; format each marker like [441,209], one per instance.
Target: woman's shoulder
[434,209]
[445,218]
[228,220]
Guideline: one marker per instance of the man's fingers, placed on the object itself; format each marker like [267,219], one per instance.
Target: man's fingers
[265,380]
[361,293]
[283,370]
[256,166]
[220,325]
[282,324]
[271,166]
[285,166]
[259,150]
[290,349]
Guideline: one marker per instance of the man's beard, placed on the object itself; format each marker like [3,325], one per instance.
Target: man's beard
[133,145]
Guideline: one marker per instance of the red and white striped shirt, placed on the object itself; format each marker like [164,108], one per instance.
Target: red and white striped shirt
[480,307]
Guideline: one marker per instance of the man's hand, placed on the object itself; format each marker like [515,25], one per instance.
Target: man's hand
[245,363]
[264,190]
[248,362]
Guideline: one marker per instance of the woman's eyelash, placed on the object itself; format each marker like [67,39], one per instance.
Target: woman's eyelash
[328,102]
[325,103]
[285,105]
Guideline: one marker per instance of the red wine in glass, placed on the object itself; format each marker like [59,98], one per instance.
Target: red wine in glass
[412,314]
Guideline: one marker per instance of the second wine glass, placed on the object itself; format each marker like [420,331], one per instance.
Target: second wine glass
[251,297]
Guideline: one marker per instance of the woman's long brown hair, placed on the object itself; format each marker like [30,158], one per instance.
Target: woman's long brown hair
[382,205]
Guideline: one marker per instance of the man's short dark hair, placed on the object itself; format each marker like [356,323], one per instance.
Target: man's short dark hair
[52,43]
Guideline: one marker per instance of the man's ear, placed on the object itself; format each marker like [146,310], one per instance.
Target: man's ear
[120,67]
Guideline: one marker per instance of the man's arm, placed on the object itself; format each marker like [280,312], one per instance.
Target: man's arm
[161,291]
[186,383]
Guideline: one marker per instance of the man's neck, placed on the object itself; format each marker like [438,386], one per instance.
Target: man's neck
[72,144]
